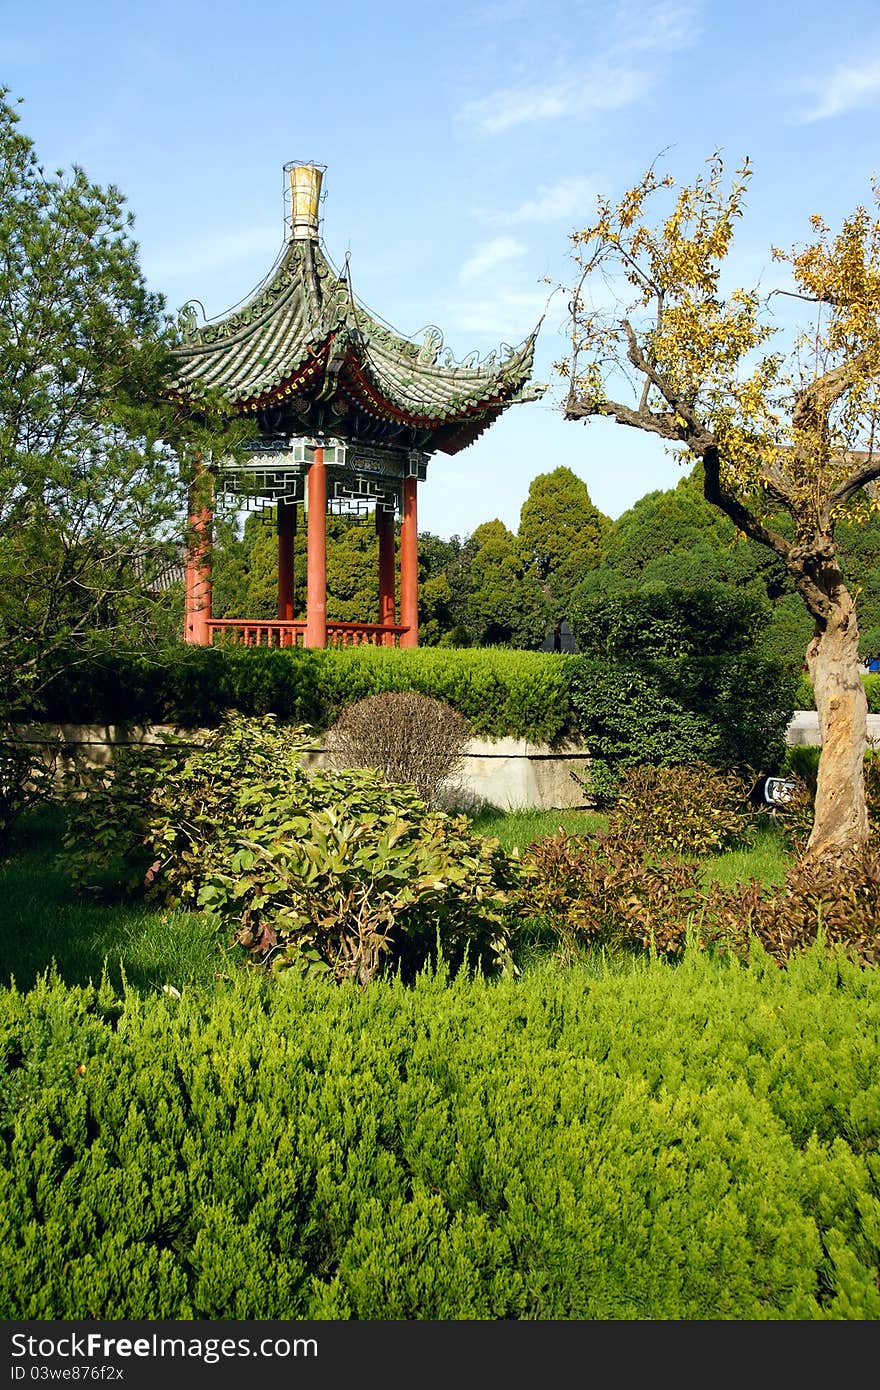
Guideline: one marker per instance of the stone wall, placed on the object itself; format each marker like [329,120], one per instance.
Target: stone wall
[509,773]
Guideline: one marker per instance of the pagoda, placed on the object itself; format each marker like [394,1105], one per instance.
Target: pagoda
[348,414]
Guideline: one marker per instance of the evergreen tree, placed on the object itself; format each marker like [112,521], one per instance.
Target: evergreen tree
[560,534]
[94,458]
[505,605]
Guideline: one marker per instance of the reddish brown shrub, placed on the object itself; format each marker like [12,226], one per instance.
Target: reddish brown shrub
[408,737]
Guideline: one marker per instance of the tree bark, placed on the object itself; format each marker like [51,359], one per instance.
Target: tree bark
[841,817]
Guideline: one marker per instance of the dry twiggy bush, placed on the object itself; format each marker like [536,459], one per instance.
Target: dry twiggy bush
[408,737]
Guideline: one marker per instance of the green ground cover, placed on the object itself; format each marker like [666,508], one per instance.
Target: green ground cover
[617,1137]
[627,1139]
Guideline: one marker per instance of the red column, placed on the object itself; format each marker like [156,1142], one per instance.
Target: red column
[316,571]
[286,518]
[385,532]
[409,566]
[198,561]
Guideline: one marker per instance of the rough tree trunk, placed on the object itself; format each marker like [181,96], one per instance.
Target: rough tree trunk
[841,816]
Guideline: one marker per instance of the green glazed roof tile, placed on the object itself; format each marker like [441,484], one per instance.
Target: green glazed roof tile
[279,341]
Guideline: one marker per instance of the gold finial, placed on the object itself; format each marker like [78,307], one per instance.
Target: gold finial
[305,196]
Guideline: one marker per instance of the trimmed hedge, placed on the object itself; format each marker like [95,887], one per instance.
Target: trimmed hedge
[501,692]
[730,712]
[697,1142]
[805,699]
[676,675]
[726,711]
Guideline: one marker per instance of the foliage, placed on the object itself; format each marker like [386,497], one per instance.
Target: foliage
[832,897]
[25,779]
[244,569]
[802,760]
[610,891]
[501,693]
[629,885]
[602,891]
[858,543]
[560,533]
[669,534]
[406,736]
[353,890]
[443,586]
[774,430]
[692,809]
[505,605]
[328,870]
[160,812]
[668,676]
[93,456]
[676,538]
[638,1142]
[662,621]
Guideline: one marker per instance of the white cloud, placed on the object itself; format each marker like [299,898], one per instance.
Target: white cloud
[497,13]
[663,25]
[618,73]
[552,202]
[489,255]
[601,89]
[847,87]
[508,316]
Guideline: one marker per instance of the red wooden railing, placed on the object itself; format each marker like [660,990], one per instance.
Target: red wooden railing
[273,632]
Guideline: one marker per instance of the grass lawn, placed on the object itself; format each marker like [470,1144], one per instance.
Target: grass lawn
[766,857]
[43,922]
[516,829]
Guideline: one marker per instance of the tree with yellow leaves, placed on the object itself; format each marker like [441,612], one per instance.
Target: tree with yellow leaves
[791,429]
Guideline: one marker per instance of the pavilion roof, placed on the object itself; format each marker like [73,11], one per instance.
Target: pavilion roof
[302,340]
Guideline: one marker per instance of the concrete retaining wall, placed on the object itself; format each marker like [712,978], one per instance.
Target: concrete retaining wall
[509,773]
[804,729]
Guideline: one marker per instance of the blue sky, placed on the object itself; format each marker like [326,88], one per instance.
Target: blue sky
[463,143]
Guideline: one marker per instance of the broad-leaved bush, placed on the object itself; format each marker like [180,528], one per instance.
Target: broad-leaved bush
[332,871]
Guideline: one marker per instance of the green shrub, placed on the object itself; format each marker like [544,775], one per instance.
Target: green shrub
[155,816]
[673,675]
[352,895]
[667,620]
[501,693]
[647,1143]
[332,871]
[731,714]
